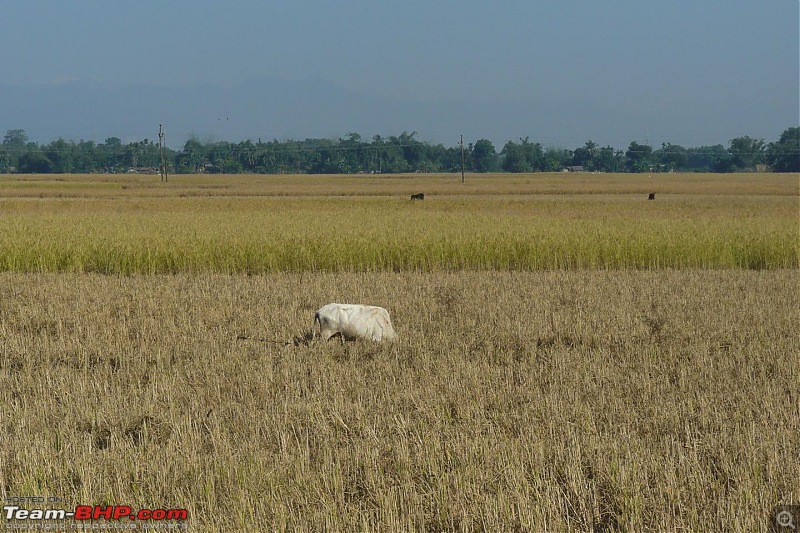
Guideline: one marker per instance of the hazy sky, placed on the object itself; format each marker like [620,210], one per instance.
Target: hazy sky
[630,55]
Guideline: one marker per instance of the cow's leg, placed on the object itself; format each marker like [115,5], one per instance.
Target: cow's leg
[314,327]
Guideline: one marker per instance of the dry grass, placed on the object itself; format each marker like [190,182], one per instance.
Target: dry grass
[572,356]
[545,401]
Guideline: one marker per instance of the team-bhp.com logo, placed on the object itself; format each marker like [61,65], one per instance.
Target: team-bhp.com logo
[124,515]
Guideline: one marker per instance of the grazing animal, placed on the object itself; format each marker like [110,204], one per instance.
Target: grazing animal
[651,196]
[418,196]
[352,321]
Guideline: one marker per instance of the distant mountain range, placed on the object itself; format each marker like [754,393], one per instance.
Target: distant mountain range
[280,109]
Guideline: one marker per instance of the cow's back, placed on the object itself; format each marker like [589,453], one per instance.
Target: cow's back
[355,320]
[376,324]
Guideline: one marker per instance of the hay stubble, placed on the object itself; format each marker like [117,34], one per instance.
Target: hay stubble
[561,400]
[524,394]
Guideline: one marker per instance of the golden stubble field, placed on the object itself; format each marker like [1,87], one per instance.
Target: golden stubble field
[591,399]
[559,401]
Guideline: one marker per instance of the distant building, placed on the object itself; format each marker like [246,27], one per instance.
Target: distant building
[143,170]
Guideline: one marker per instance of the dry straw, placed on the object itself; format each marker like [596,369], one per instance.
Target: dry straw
[572,357]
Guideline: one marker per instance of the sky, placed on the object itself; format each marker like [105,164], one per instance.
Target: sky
[655,64]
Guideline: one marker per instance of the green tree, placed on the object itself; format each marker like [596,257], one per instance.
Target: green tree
[60,155]
[671,157]
[15,139]
[523,157]
[784,155]
[606,159]
[513,158]
[434,158]
[86,157]
[33,162]
[639,157]
[14,145]
[746,153]
[705,158]
[5,160]
[534,154]
[109,154]
[247,152]
[584,156]
[351,154]
[483,156]
[451,159]
[392,157]
[413,150]
[223,155]
[555,159]
[193,157]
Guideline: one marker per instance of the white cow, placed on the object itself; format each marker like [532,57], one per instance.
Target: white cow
[352,321]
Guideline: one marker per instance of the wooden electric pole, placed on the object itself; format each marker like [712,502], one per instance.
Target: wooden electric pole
[161,147]
[462,158]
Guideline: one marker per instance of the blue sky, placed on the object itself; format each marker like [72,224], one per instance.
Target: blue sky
[650,59]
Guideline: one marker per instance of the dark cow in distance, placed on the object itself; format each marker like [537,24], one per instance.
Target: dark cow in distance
[651,196]
[418,196]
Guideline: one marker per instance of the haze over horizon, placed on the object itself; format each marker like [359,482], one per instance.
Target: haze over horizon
[682,72]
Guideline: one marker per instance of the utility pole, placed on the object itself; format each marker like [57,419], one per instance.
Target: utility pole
[462,158]
[161,147]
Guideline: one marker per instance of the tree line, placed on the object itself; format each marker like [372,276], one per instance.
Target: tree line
[394,154]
